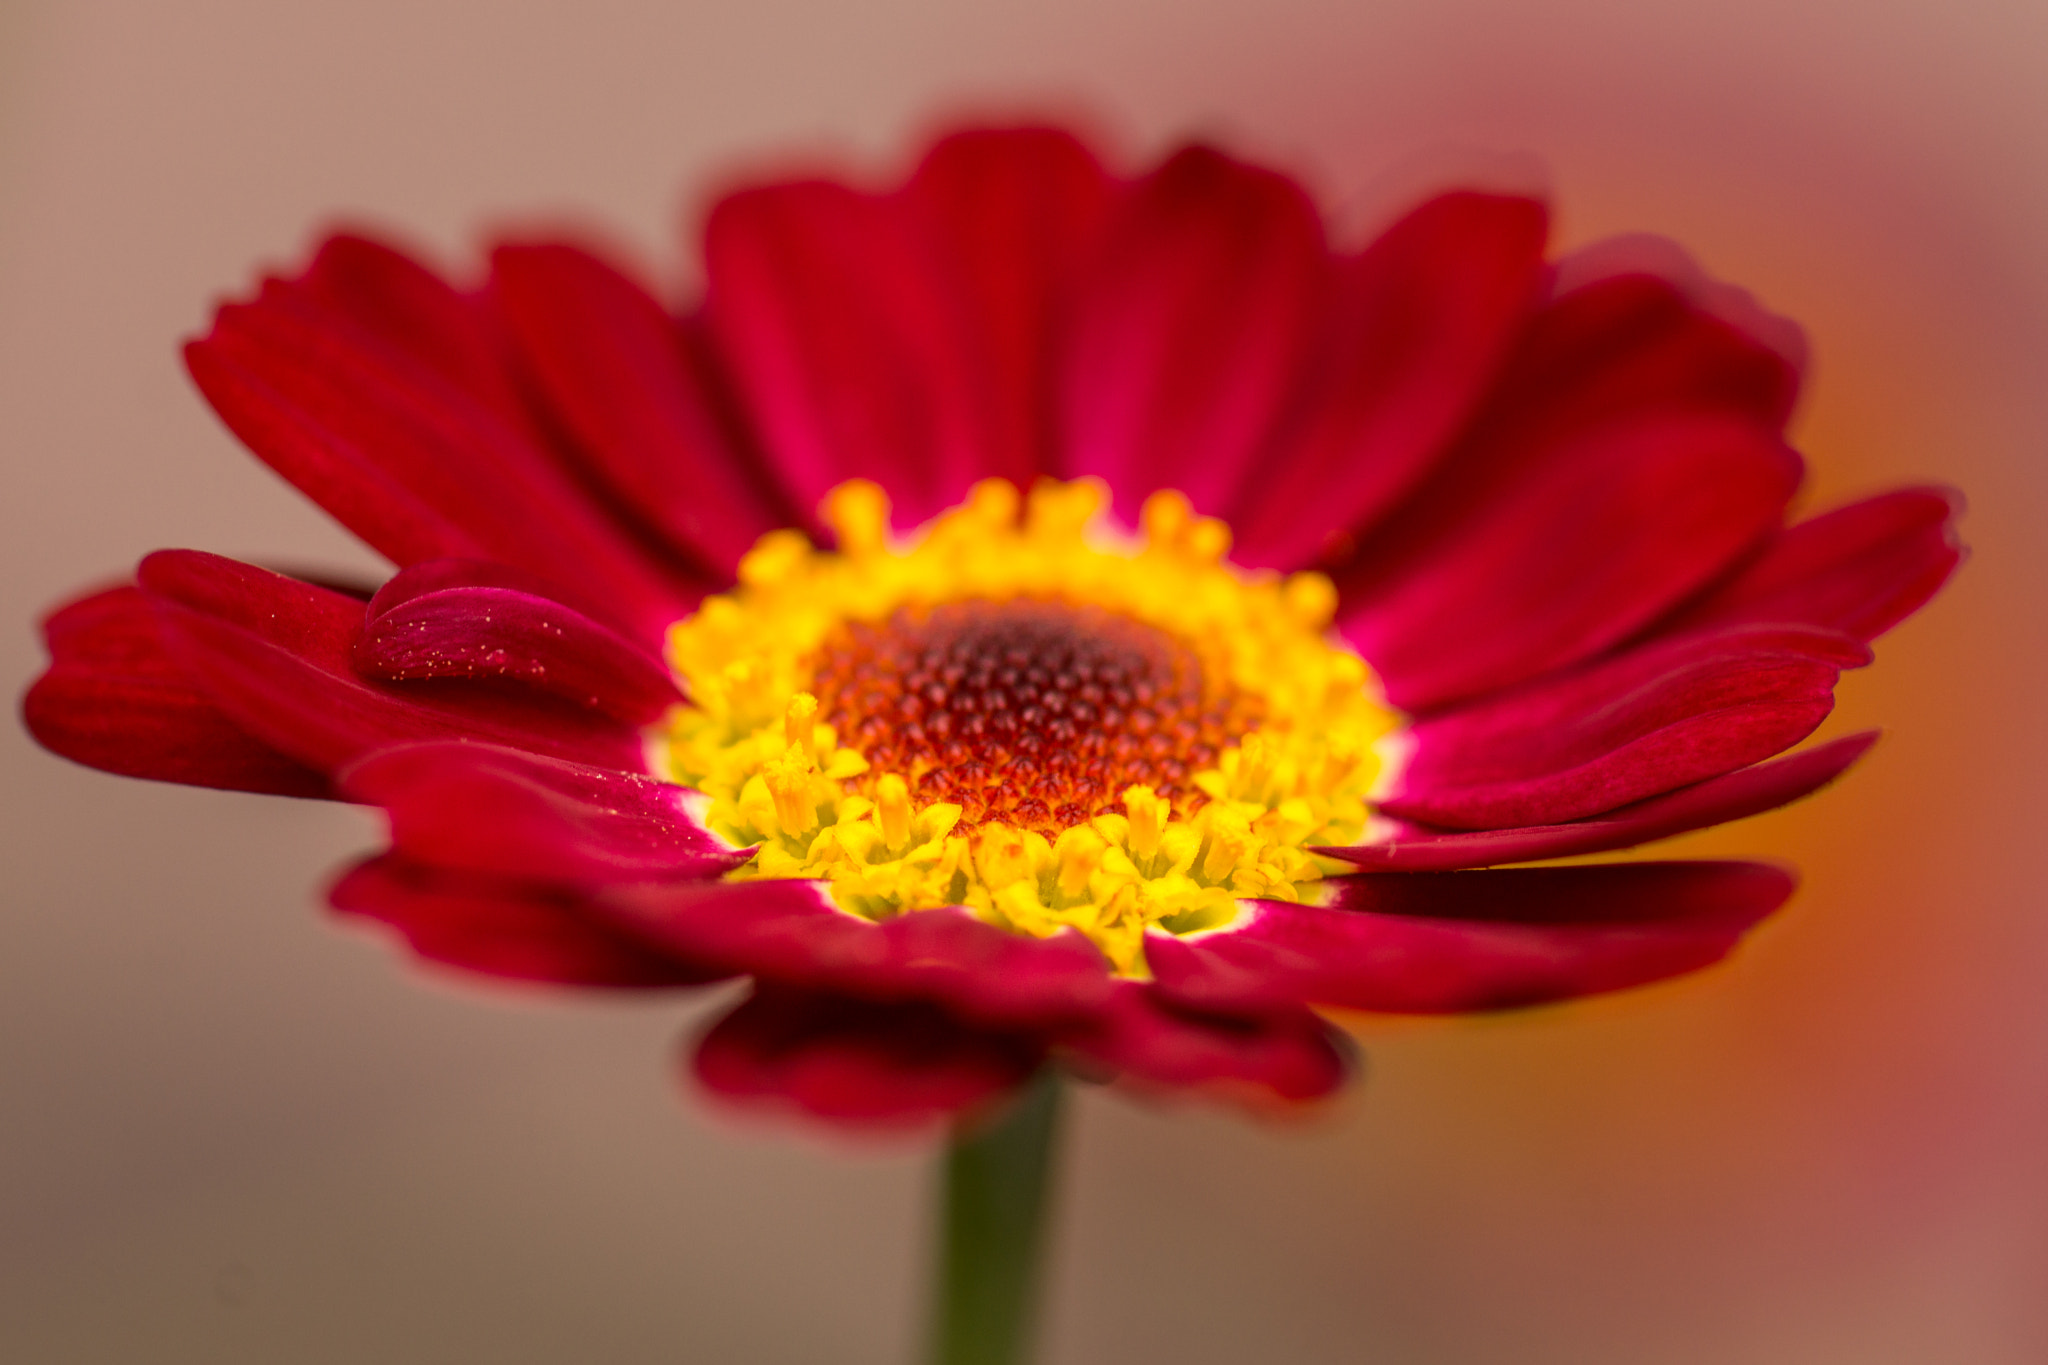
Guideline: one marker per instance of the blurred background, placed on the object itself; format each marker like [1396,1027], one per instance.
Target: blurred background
[233,1131]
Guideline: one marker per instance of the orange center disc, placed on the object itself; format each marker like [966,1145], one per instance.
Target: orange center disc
[1036,713]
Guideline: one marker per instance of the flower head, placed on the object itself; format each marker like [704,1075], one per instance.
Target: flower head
[1028,614]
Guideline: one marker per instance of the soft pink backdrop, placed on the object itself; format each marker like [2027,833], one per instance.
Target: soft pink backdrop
[231,1132]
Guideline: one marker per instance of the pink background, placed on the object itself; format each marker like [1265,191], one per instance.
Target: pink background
[231,1131]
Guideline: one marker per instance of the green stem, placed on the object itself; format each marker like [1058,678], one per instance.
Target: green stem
[992,1228]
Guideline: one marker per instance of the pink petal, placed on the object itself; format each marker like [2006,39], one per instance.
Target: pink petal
[1192,331]
[274,655]
[1144,1039]
[1732,796]
[517,637]
[1558,551]
[857,1062]
[1636,724]
[1859,569]
[1424,318]
[791,931]
[616,373]
[416,466]
[114,699]
[1439,942]
[481,808]
[501,929]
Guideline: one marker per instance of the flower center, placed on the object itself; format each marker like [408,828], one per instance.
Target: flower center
[1033,713]
[1017,712]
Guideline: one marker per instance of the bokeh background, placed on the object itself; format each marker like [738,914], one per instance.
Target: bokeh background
[233,1131]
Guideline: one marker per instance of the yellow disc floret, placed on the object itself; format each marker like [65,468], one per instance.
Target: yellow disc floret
[1069,730]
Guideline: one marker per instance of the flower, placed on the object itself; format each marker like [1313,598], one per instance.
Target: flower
[1027,614]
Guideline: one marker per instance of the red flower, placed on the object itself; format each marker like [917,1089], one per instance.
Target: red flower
[1550,500]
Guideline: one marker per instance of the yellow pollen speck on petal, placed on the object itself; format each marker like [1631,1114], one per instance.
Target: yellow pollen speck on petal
[1016,709]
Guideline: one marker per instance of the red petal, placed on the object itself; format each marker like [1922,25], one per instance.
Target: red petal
[273,654]
[501,929]
[615,371]
[1010,216]
[857,1062]
[388,295]
[114,699]
[1632,256]
[1635,343]
[1651,720]
[487,809]
[1191,334]
[1860,569]
[791,931]
[497,633]
[1558,552]
[1284,1054]
[415,465]
[899,338]
[1733,796]
[1424,318]
[1439,942]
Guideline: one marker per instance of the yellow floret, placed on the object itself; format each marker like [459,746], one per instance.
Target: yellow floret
[779,781]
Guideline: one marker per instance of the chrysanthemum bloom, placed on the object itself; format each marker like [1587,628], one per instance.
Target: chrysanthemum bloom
[1026,615]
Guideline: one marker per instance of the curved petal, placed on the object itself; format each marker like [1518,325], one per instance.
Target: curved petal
[1647,721]
[1191,333]
[1423,319]
[413,464]
[1859,569]
[496,928]
[1638,268]
[1612,344]
[1010,217]
[486,809]
[274,655]
[502,634]
[1559,552]
[1438,942]
[791,931]
[897,337]
[1283,1054]
[1732,796]
[856,1061]
[617,375]
[387,294]
[114,699]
